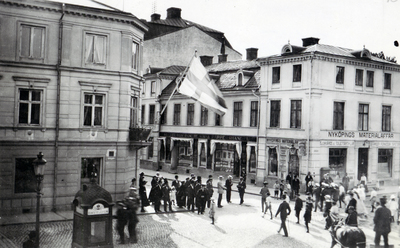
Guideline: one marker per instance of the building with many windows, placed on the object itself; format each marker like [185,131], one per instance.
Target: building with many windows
[329,109]
[70,85]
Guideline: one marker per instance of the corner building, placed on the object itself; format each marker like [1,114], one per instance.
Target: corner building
[70,85]
[327,109]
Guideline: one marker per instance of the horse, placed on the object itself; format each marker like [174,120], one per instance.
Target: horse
[347,236]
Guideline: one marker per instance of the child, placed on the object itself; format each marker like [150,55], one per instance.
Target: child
[372,199]
[268,205]
[276,189]
[172,195]
[281,188]
[211,213]
[392,206]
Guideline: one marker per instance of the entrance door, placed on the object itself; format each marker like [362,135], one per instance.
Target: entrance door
[362,162]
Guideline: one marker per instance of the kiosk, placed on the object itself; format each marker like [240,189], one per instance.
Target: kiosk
[93,218]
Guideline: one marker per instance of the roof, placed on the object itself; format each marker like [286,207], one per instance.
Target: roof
[229,81]
[86,3]
[92,193]
[173,70]
[232,66]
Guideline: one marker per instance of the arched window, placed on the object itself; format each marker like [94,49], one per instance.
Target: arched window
[240,79]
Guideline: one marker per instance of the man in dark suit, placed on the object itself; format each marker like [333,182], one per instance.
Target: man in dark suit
[241,188]
[284,210]
[352,202]
[382,223]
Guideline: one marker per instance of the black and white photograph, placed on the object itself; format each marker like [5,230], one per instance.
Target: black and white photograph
[199,123]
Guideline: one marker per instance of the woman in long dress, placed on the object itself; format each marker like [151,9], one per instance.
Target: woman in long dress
[359,195]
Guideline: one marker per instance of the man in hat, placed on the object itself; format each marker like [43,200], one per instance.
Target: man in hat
[241,188]
[30,243]
[351,219]
[308,179]
[284,210]
[201,198]
[382,223]
[228,186]
[317,194]
[263,192]
[352,201]
[210,190]
[298,205]
[221,189]
[122,220]
[308,212]
[142,192]
[346,182]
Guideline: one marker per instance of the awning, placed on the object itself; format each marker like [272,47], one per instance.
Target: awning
[238,145]
[190,140]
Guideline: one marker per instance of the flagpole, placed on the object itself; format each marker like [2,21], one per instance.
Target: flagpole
[178,82]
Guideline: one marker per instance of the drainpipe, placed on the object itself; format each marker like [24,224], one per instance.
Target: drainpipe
[60,36]
[309,112]
[258,126]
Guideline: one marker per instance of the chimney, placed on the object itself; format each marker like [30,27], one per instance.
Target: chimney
[310,41]
[222,58]
[155,17]
[251,53]
[173,13]
[206,60]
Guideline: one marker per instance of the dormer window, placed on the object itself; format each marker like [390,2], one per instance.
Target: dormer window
[240,79]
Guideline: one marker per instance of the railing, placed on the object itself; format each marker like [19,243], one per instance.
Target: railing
[139,133]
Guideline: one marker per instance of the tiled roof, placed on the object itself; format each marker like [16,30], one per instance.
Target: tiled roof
[173,70]
[255,81]
[232,66]
[182,23]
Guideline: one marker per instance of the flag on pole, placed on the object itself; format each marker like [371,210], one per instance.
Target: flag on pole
[198,85]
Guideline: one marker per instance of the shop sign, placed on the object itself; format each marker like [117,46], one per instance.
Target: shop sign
[97,209]
[362,135]
[337,143]
[385,144]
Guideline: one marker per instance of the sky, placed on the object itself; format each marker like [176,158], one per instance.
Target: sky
[270,24]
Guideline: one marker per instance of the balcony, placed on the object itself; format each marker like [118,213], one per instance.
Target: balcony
[139,134]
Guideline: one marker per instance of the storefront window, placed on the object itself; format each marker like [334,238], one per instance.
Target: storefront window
[185,153]
[203,154]
[252,160]
[90,167]
[337,162]
[385,163]
[224,157]
[272,162]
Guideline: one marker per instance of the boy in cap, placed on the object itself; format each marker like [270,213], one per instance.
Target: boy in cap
[263,192]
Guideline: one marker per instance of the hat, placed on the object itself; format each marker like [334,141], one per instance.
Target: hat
[392,197]
[351,207]
[328,198]
[210,176]
[157,174]
[220,177]
[265,183]
[350,193]
[133,180]
[383,200]
[317,185]
[142,173]
[229,176]
[309,199]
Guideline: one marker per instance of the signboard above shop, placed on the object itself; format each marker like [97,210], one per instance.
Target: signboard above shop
[355,135]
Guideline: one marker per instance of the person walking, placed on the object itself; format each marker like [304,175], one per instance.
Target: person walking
[221,189]
[372,199]
[296,185]
[122,221]
[382,223]
[392,207]
[211,213]
[241,188]
[308,179]
[181,195]
[281,189]
[268,205]
[346,182]
[308,212]
[342,194]
[210,190]
[190,192]
[284,210]
[317,194]
[276,189]
[157,195]
[166,195]
[142,192]
[351,219]
[263,192]
[298,205]
[30,243]
[132,202]
[228,186]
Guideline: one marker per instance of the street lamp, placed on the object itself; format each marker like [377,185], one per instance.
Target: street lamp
[39,164]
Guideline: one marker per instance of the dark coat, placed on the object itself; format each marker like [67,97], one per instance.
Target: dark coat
[351,219]
[165,192]
[317,193]
[308,212]
[382,220]
[298,204]
[352,202]
[296,184]
[241,186]
[228,184]
[284,210]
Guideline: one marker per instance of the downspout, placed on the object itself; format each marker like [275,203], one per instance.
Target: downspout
[60,37]
[309,112]
[258,126]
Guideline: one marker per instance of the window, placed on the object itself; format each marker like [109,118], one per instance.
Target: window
[296,73]
[337,161]
[153,87]
[144,88]
[143,113]
[276,75]
[150,150]
[204,116]
[30,102]
[25,179]
[339,74]
[32,42]
[218,120]
[295,114]
[135,55]
[388,81]
[177,114]
[190,114]
[90,167]
[237,114]
[252,160]
[240,79]
[134,111]
[363,110]
[163,119]
[385,158]
[275,113]
[95,49]
[359,77]
[386,119]
[254,114]
[272,162]
[93,109]
[152,114]
[370,79]
[338,116]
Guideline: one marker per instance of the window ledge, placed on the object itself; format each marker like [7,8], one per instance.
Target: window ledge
[358,88]
[97,129]
[387,91]
[296,84]
[276,86]
[369,89]
[339,86]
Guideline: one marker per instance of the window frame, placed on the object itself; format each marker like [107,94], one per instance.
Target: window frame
[29,174]
[30,102]
[135,55]
[43,51]
[152,113]
[93,106]
[143,114]
[240,79]
[386,119]
[295,114]
[153,87]
[100,170]
[359,79]
[204,116]
[105,49]
[275,114]
[237,114]
[163,117]
[297,73]
[363,117]
[190,114]
[218,120]
[387,83]
[254,114]
[134,111]
[177,114]
[340,71]
[370,79]
[276,75]
[336,113]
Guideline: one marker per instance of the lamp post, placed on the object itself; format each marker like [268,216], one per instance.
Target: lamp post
[39,164]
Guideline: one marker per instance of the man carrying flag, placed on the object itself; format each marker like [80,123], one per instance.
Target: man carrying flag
[198,85]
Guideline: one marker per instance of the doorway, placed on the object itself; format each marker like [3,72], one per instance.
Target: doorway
[362,162]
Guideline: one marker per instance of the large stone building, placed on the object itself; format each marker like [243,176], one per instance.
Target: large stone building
[328,109]
[70,88]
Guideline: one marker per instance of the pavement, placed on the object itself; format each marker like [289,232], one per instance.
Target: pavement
[251,189]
